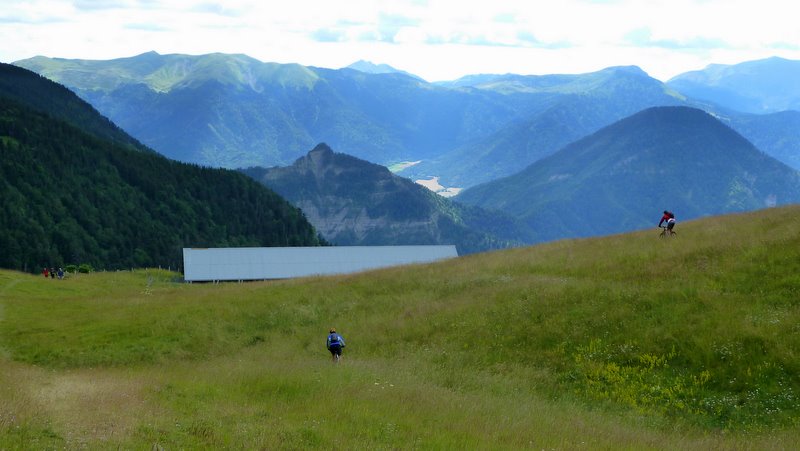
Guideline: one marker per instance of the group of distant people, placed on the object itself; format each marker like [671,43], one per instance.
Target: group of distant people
[53,273]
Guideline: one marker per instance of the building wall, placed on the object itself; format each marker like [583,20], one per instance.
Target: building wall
[258,263]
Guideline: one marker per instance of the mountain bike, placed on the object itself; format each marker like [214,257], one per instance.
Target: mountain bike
[666,233]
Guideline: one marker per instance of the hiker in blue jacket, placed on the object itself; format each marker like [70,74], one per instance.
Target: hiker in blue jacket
[335,344]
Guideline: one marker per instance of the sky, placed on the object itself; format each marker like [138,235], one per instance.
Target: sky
[434,39]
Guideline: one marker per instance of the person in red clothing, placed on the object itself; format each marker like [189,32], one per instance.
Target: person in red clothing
[669,218]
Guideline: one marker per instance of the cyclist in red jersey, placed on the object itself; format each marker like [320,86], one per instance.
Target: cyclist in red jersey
[669,218]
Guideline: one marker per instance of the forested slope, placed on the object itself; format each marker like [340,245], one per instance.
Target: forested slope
[57,101]
[68,196]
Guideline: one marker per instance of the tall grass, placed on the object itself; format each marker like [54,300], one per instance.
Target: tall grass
[621,341]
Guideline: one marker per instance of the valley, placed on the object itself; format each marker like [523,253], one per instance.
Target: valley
[480,140]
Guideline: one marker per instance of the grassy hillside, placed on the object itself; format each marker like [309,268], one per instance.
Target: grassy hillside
[626,341]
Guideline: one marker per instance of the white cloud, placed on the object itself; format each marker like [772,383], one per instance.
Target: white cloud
[437,39]
[90,5]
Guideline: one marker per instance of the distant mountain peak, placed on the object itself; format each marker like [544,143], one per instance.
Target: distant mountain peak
[354,202]
[368,67]
[636,70]
[372,68]
[320,156]
[321,148]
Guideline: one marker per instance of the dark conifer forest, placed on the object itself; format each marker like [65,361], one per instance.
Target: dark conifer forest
[71,197]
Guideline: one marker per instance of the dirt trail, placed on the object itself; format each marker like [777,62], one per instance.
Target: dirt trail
[9,286]
[87,405]
[3,292]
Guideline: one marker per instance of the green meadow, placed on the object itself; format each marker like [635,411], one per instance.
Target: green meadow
[620,342]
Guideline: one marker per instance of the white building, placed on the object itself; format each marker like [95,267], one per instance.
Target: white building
[259,263]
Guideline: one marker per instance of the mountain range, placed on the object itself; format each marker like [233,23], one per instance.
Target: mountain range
[621,177]
[75,189]
[588,102]
[549,151]
[354,202]
[581,105]
[234,111]
[763,86]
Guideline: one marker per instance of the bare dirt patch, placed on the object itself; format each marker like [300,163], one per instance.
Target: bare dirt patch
[82,406]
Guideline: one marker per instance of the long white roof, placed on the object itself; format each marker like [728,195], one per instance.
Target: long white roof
[259,263]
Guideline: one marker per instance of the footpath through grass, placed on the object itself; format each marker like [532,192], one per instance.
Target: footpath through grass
[625,341]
